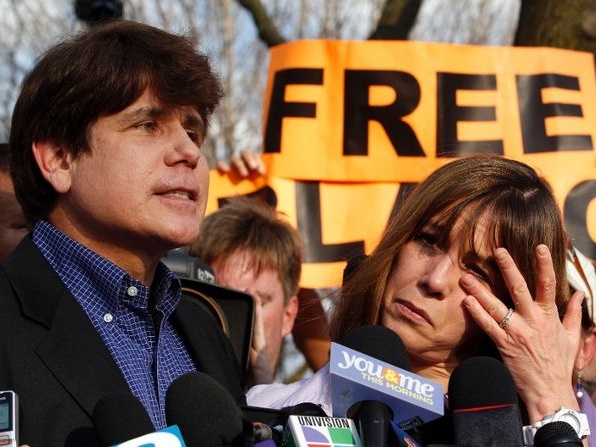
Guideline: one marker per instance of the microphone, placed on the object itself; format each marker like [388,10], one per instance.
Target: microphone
[483,402]
[270,427]
[400,438]
[379,342]
[373,417]
[120,420]
[268,423]
[370,383]
[205,412]
[307,409]
[557,434]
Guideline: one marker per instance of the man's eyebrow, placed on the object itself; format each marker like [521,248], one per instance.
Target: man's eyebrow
[193,120]
[144,113]
[265,297]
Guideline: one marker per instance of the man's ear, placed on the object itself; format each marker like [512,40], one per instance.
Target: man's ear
[55,164]
[289,317]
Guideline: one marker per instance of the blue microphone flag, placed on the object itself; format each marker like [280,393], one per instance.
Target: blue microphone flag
[168,437]
[356,377]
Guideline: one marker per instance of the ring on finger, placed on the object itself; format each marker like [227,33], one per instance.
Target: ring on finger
[505,320]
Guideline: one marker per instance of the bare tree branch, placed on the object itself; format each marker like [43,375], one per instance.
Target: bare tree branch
[556,24]
[396,20]
[268,31]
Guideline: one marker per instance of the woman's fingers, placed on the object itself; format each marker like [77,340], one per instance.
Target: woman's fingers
[489,312]
[537,347]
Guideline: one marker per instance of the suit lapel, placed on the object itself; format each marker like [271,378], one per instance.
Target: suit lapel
[209,347]
[72,350]
[199,344]
[75,354]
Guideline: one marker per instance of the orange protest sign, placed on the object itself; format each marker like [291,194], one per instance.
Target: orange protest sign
[335,220]
[391,110]
[348,124]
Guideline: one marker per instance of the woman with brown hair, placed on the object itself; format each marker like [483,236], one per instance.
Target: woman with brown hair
[474,257]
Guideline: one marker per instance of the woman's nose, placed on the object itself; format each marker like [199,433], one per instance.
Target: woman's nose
[439,275]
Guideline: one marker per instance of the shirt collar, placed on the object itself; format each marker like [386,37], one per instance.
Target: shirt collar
[74,263]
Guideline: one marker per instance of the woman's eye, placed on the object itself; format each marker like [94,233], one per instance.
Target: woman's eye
[427,239]
[478,272]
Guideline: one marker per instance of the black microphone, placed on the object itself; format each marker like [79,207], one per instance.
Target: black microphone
[307,409]
[120,417]
[557,434]
[205,412]
[379,342]
[483,404]
[372,417]
[264,431]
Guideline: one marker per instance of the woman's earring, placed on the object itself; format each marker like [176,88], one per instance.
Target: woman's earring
[579,390]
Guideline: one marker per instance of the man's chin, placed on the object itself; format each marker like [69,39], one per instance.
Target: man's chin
[183,238]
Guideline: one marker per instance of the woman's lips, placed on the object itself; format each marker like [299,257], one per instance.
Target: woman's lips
[412,312]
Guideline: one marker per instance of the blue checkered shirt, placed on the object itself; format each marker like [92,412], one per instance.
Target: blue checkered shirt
[139,336]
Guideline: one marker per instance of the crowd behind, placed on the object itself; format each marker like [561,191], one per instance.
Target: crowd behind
[104,175]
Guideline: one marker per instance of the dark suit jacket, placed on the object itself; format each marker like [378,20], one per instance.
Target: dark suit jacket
[55,361]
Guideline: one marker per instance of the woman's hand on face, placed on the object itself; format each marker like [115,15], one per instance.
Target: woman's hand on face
[536,346]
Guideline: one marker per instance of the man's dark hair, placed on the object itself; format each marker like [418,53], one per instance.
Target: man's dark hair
[98,73]
[3,157]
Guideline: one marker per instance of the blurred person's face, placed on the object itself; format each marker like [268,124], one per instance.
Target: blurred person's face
[13,225]
[142,188]
[423,301]
[278,316]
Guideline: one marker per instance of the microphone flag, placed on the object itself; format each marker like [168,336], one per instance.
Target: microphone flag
[168,437]
[320,431]
[356,377]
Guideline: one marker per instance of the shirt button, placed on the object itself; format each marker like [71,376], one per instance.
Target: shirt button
[132,291]
[108,318]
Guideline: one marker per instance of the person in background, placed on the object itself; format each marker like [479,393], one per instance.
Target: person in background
[585,354]
[582,276]
[251,248]
[472,261]
[106,161]
[13,226]
[310,337]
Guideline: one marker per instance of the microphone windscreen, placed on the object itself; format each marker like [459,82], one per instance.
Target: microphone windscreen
[119,417]
[371,363]
[307,409]
[556,434]
[372,417]
[483,404]
[204,411]
[479,382]
[379,342]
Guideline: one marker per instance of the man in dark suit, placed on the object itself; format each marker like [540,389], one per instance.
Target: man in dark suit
[107,165]
[12,222]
